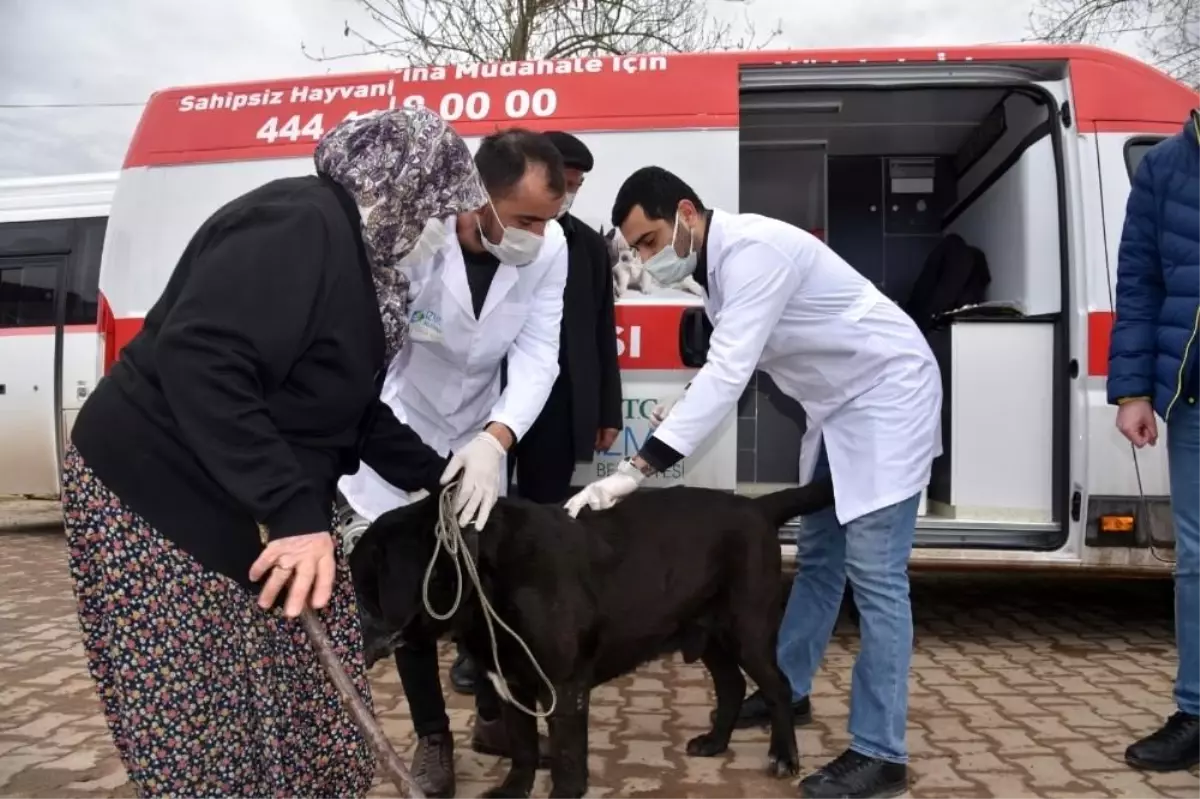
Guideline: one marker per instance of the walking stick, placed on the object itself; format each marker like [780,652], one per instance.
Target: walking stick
[393,766]
[385,755]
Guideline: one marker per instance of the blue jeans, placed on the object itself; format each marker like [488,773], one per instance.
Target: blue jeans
[1183,457]
[872,551]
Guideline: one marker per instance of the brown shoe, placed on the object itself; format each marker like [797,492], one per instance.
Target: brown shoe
[491,738]
[433,765]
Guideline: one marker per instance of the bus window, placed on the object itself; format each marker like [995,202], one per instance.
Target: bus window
[82,284]
[31,253]
[27,286]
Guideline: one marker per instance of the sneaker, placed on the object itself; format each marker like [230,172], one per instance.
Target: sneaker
[1174,747]
[462,674]
[433,765]
[491,738]
[756,713]
[856,776]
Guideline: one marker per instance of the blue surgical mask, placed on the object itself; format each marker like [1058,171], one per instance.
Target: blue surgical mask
[516,248]
[667,266]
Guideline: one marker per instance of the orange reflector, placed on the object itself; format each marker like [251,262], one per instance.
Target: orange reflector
[1116,524]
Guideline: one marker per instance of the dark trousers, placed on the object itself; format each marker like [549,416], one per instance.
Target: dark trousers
[420,674]
[545,457]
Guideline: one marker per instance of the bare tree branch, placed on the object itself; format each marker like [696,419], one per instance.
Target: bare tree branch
[422,32]
[1169,29]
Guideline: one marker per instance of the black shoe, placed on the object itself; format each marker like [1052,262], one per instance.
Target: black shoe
[462,674]
[856,776]
[433,765]
[756,713]
[1174,747]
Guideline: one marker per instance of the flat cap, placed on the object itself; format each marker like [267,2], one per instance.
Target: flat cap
[575,153]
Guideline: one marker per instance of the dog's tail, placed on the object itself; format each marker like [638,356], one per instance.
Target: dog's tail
[781,507]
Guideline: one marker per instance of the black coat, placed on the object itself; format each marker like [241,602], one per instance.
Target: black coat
[254,382]
[588,343]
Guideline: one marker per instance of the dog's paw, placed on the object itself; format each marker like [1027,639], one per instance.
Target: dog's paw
[782,767]
[706,745]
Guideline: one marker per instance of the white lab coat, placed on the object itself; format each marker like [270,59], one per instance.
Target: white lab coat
[445,382]
[784,303]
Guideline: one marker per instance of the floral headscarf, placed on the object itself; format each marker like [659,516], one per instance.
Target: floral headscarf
[402,167]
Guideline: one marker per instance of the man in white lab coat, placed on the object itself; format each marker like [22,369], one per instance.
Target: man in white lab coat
[485,286]
[784,303]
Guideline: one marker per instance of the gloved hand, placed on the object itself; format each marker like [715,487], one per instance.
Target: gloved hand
[607,491]
[660,410]
[479,461]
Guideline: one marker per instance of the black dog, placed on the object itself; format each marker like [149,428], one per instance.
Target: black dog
[687,570]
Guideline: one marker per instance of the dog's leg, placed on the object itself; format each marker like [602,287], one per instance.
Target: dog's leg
[569,742]
[730,687]
[523,738]
[783,757]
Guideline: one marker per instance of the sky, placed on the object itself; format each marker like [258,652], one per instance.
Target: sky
[102,58]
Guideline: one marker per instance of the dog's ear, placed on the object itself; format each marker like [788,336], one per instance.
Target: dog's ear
[365,562]
[405,546]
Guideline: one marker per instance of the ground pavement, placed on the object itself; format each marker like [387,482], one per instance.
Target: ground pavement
[1020,687]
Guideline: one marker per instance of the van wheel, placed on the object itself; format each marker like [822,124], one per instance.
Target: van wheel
[350,528]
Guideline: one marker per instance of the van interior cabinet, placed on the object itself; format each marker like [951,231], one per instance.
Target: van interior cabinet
[997,420]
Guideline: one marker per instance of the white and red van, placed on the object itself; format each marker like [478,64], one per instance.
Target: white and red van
[1025,152]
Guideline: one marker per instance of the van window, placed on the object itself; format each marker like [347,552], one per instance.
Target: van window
[1136,149]
[27,290]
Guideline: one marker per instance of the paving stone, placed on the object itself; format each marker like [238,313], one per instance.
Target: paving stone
[1020,687]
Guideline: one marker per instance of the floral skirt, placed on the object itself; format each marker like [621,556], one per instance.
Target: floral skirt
[205,693]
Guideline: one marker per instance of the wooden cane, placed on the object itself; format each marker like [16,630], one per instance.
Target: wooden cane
[384,753]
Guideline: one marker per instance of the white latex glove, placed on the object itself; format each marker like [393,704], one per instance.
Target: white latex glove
[660,410]
[479,461]
[607,491]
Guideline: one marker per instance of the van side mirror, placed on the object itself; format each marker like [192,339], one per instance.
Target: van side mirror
[694,332]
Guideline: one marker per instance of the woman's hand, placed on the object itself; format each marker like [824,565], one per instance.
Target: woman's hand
[307,561]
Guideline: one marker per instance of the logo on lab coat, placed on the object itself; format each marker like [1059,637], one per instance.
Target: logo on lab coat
[425,325]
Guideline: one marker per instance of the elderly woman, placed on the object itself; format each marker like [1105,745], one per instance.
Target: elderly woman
[228,420]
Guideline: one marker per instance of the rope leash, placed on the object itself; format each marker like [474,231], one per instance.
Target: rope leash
[449,537]
[1144,501]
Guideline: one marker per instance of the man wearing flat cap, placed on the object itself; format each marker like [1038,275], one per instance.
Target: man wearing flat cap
[582,415]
